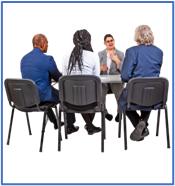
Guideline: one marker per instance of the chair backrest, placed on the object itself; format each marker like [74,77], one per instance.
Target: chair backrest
[147,91]
[22,92]
[80,90]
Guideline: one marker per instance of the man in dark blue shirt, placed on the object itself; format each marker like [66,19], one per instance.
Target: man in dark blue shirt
[41,68]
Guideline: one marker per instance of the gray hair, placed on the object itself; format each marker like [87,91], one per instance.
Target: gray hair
[144,35]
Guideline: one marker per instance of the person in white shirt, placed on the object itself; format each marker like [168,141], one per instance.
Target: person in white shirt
[82,61]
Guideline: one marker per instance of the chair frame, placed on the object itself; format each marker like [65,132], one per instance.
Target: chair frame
[80,88]
[26,110]
[164,106]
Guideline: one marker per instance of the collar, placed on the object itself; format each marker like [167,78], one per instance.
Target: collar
[37,49]
[114,51]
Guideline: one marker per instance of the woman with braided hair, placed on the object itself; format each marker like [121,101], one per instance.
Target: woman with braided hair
[82,61]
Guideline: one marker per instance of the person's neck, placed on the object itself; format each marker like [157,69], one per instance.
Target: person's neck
[110,50]
[37,47]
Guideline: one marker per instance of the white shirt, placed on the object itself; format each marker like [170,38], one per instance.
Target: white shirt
[91,64]
[109,61]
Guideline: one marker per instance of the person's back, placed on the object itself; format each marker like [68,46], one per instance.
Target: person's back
[82,61]
[40,68]
[90,64]
[145,61]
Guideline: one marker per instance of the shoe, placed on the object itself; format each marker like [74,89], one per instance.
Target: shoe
[70,130]
[116,118]
[56,127]
[137,133]
[145,133]
[109,117]
[92,131]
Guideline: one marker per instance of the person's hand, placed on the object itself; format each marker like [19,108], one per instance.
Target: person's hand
[115,58]
[103,68]
[60,72]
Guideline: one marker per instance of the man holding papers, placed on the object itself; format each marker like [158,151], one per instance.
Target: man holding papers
[111,61]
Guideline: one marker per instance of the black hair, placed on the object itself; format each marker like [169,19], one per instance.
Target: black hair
[82,40]
[107,35]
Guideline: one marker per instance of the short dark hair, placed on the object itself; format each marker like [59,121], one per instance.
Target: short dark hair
[107,35]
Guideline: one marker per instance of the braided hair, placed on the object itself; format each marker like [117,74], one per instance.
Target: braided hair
[82,40]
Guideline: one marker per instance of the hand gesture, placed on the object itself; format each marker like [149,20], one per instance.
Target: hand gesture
[114,57]
[103,68]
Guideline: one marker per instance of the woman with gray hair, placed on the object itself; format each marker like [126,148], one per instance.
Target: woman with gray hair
[143,60]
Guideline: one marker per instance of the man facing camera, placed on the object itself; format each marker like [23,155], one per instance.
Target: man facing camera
[111,61]
[41,68]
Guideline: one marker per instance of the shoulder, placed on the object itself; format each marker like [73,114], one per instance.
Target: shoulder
[101,52]
[67,55]
[118,52]
[89,54]
[157,49]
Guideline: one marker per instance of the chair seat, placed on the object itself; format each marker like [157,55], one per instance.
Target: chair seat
[35,108]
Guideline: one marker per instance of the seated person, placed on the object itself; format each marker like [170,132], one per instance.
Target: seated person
[82,60]
[41,68]
[143,60]
[111,61]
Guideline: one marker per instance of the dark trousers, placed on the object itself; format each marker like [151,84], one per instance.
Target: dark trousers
[134,116]
[70,117]
[52,117]
[88,118]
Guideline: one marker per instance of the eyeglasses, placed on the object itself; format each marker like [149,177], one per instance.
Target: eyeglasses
[110,41]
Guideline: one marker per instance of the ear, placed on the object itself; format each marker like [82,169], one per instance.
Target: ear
[105,43]
[42,45]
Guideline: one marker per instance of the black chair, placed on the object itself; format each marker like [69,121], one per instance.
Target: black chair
[79,91]
[23,95]
[146,92]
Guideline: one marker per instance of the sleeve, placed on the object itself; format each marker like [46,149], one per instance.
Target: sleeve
[64,67]
[96,69]
[53,70]
[121,62]
[100,61]
[128,66]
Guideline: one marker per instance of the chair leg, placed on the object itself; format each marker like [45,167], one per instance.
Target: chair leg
[59,128]
[30,133]
[10,127]
[158,121]
[103,130]
[42,132]
[167,127]
[119,126]
[65,125]
[125,133]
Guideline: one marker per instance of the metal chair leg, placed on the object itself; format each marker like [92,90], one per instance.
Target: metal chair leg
[125,133]
[65,125]
[30,133]
[158,121]
[42,132]
[59,128]
[10,127]
[119,126]
[167,127]
[102,132]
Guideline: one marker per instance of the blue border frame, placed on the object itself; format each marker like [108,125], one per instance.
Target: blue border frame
[2,2]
